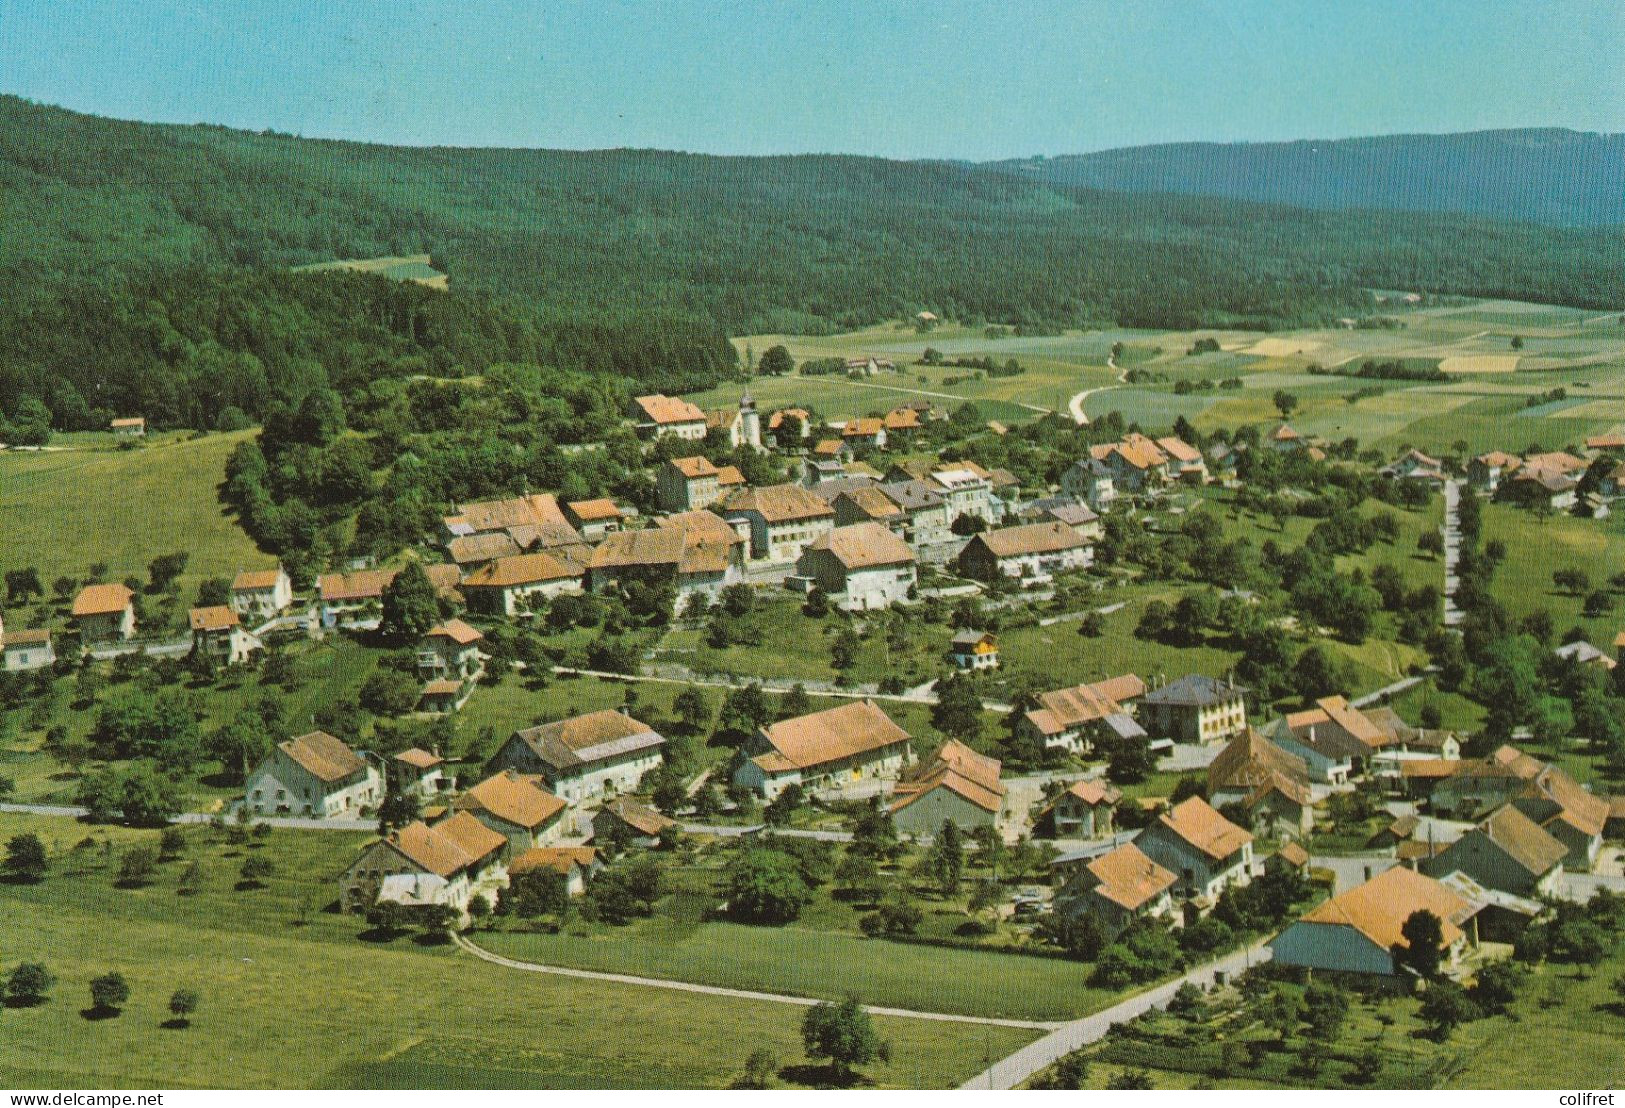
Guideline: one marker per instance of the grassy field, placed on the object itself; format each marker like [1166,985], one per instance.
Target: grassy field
[292,998]
[1536,547]
[62,511]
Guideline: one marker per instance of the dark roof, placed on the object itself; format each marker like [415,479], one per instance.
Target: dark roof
[1195,690]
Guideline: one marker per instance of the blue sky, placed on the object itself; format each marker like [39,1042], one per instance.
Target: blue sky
[941,79]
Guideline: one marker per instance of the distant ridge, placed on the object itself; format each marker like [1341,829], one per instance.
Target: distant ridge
[1540,175]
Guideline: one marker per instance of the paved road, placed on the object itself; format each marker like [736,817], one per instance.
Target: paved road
[733,830]
[1075,405]
[772,685]
[1009,1072]
[1387,690]
[71,811]
[741,994]
[1452,551]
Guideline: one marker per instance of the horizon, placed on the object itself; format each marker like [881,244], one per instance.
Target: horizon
[965,82]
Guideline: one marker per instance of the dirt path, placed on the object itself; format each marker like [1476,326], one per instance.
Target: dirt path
[740,994]
[1075,405]
[944,395]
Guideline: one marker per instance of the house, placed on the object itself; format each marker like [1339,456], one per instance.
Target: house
[925,509]
[1486,471]
[966,486]
[1071,718]
[470,552]
[901,423]
[789,426]
[1033,553]
[1185,462]
[316,776]
[359,593]
[131,428]
[219,634]
[1196,709]
[1224,461]
[1611,443]
[104,614]
[584,756]
[1084,811]
[1414,465]
[261,594]
[1334,727]
[1068,510]
[418,865]
[832,450]
[420,773]
[1546,794]
[27,650]
[1582,653]
[1291,857]
[1090,480]
[869,503]
[526,519]
[862,567]
[451,650]
[974,649]
[658,415]
[852,743]
[507,586]
[625,821]
[694,552]
[517,806]
[737,426]
[576,864]
[594,518]
[1117,888]
[1358,931]
[1612,484]
[1137,464]
[782,519]
[866,431]
[689,484]
[1407,742]
[444,695]
[1507,851]
[1541,485]
[868,365]
[956,785]
[1254,775]
[1284,439]
[1205,851]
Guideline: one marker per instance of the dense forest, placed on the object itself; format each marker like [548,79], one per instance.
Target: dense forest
[1543,175]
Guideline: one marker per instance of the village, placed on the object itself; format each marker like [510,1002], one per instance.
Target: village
[1155,820]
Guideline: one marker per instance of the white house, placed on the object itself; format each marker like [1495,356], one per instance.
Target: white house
[27,650]
[130,427]
[695,552]
[1090,480]
[658,415]
[825,750]
[1508,851]
[1085,811]
[585,756]
[422,773]
[507,585]
[970,649]
[626,820]
[1068,718]
[576,864]
[451,651]
[1118,888]
[218,632]
[1033,553]
[782,519]
[314,775]
[1196,708]
[517,806]
[104,614]
[1357,931]
[863,566]
[261,594]
[1203,849]
[418,865]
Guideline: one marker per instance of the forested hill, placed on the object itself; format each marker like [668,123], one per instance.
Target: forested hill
[1545,175]
[789,243]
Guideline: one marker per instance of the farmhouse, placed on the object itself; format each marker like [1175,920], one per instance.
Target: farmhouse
[789,426]
[27,650]
[1414,465]
[538,511]
[1118,888]
[1068,510]
[1033,553]
[1196,709]
[1205,851]
[866,431]
[690,554]
[584,756]
[1185,462]
[133,427]
[658,416]
[1266,782]
[470,552]
[261,594]
[863,567]
[104,614]
[1486,471]
[1137,463]
[689,484]
[974,650]
[219,634]
[516,806]
[868,503]
[505,587]
[420,773]
[314,775]
[782,519]
[594,518]
[825,750]
[1358,931]
[418,865]
[1507,851]
[1284,439]
[957,785]
[351,594]
[451,650]
[575,864]
[1546,794]
[1071,718]
[1084,811]
[926,510]
[966,486]
[623,820]
[1090,480]
[1335,728]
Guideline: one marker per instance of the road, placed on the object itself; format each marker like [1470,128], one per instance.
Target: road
[733,831]
[1387,690]
[1009,1072]
[941,395]
[1452,551]
[771,685]
[71,811]
[739,994]
[1075,405]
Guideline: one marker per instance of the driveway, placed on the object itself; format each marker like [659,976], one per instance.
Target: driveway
[1009,1072]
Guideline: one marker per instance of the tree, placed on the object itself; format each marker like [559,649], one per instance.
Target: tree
[1130,1081]
[1497,986]
[761,1065]
[766,886]
[958,710]
[1423,948]
[137,866]
[256,869]
[1284,402]
[1445,1006]
[1315,674]
[387,917]
[108,993]
[411,606]
[1326,1007]
[776,361]
[843,651]
[779,809]
[692,709]
[388,692]
[947,857]
[1571,580]
[1430,542]
[843,1033]
[967,524]
[171,842]
[23,583]
[25,858]
[164,569]
[397,809]
[28,983]
[182,1003]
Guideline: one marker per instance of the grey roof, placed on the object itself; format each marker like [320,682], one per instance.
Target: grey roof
[831,488]
[1124,726]
[1094,466]
[1195,690]
[912,496]
[968,637]
[1581,651]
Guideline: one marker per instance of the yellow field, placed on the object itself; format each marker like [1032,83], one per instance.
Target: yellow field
[1283,348]
[1479,363]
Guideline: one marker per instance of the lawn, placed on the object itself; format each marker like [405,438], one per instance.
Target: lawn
[1537,546]
[123,507]
[309,1005]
